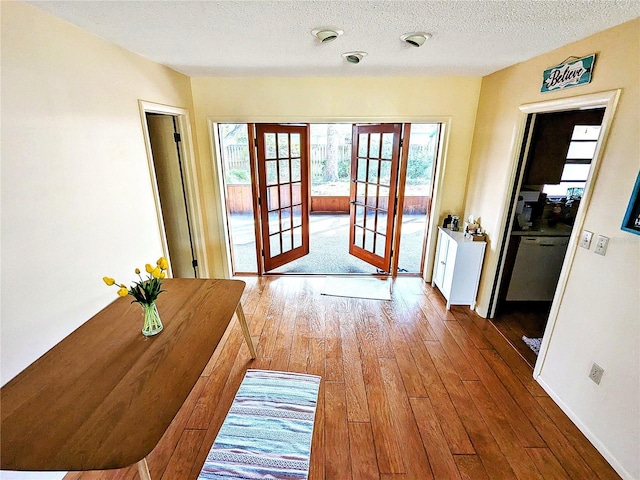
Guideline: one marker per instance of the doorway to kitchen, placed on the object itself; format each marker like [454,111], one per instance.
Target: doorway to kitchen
[350,201]
[554,175]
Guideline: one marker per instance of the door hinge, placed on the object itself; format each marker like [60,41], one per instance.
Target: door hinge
[177,138]
[194,263]
[263,252]
[259,202]
[255,142]
[401,142]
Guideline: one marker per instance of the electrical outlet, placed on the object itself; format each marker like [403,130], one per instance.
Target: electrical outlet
[601,245]
[585,239]
[596,373]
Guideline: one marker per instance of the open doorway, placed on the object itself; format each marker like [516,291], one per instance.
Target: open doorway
[556,167]
[330,154]
[170,155]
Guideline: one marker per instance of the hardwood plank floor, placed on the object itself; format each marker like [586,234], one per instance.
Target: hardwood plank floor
[410,391]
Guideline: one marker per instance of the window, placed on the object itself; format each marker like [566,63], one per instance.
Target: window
[576,169]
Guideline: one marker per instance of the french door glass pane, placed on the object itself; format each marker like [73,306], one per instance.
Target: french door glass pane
[270,145]
[387,146]
[297,216]
[363,144]
[294,138]
[286,241]
[285,196]
[368,240]
[283,145]
[296,194]
[385,172]
[380,245]
[362,170]
[374,145]
[381,226]
[274,222]
[295,170]
[297,237]
[359,215]
[274,244]
[359,236]
[374,171]
[272,198]
[285,218]
[272,172]
[284,171]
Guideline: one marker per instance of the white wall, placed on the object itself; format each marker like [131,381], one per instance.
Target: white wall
[77,200]
[599,318]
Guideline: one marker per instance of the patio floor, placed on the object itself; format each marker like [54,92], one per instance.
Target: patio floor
[328,246]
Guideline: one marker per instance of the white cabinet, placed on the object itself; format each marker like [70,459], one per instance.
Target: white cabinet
[457,267]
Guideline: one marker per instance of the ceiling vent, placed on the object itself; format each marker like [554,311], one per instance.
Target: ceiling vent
[326,35]
[415,39]
[354,57]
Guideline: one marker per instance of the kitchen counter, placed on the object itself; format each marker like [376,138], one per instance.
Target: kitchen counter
[559,230]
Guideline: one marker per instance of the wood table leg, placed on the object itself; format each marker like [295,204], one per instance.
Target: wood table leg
[143,470]
[245,330]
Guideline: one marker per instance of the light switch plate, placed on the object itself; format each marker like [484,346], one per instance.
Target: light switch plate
[601,245]
[585,239]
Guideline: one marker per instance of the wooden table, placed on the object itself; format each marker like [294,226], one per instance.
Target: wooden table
[103,397]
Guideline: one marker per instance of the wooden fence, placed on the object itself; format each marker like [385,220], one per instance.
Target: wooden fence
[239,200]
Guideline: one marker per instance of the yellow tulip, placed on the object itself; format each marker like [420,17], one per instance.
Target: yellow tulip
[137,271]
[163,263]
[148,268]
[156,272]
[162,275]
[108,280]
[123,292]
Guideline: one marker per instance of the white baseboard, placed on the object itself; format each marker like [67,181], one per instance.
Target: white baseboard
[617,466]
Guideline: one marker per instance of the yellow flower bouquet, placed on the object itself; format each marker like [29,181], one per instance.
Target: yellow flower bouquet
[145,292]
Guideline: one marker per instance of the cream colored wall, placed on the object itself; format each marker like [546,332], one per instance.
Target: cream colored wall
[599,318]
[77,201]
[336,99]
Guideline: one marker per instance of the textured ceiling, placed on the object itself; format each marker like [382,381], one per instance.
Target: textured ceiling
[273,38]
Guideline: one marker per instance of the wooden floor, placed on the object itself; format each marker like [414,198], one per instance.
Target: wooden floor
[409,391]
[522,318]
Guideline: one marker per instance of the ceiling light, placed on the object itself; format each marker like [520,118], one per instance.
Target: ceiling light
[415,39]
[326,35]
[354,57]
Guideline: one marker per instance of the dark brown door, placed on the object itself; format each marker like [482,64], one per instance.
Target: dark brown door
[284,192]
[374,178]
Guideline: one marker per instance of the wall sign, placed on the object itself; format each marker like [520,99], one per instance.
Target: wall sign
[568,74]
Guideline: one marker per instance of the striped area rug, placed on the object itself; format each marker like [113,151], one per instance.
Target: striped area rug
[267,432]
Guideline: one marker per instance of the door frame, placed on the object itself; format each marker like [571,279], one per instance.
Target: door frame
[607,100]
[190,177]
[438,179]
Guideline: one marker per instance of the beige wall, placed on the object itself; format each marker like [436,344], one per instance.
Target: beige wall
[77,200]
[336,99]
[598,320]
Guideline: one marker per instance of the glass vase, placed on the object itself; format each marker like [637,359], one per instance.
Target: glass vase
[152,323]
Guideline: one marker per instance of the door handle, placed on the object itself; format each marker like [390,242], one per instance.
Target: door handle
[353,202]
